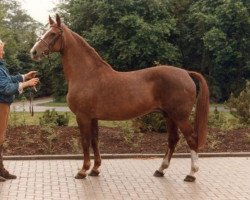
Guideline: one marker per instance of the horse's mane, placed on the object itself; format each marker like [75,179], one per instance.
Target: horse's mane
[92,52]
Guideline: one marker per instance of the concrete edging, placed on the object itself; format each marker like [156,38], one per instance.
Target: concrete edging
[123,156]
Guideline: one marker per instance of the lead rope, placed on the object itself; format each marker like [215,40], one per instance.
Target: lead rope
[32,92]
[31,95]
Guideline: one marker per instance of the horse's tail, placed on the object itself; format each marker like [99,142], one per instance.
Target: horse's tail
[202,109]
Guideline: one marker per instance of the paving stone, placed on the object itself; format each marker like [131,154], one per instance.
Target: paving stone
[218,178]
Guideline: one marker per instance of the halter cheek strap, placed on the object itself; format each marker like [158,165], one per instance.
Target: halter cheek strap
[53,41]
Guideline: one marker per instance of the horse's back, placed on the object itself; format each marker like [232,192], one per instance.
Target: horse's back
[169,78]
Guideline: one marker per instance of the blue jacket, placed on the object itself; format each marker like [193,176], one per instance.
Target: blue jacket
[8,84]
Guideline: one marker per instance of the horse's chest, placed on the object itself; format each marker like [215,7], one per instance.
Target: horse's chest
[80,101]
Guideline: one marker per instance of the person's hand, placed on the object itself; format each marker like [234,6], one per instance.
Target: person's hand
[31,83]
[30,75]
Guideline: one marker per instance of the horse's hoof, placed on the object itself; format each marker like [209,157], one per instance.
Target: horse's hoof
[158,173]
[80,175]
[189,178]
[2,179]
[94,173]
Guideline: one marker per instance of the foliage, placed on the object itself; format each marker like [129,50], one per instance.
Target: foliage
[53,118]
[214,38]
[18,31]
[75,145]
[129,34]
[223,120]
[129,134]
[240,106]
[153,122]
[50,136]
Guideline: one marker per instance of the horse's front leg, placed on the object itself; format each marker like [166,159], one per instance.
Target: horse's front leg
[95,145]
[85,130]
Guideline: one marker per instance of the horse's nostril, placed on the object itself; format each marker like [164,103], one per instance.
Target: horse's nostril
[34,52]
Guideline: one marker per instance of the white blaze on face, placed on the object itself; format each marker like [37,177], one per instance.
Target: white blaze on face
[35,52]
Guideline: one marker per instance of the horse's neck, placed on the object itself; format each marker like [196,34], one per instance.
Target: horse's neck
[79,59]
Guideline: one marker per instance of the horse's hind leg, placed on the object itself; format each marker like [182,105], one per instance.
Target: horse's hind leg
[85,130]
[173,138]
[192,142]
[95,146]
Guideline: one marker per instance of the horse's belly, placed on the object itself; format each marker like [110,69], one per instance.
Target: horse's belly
[125,111]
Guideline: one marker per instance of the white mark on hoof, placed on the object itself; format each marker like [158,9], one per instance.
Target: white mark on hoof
[194,163]
[165,162]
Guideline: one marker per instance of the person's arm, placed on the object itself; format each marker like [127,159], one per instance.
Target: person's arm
[17,78]
[10,88]
[6,86]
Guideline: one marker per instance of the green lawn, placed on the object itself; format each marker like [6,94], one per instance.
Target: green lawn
[25,118]
[54,104]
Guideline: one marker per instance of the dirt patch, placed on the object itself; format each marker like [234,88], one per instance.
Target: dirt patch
[35,140]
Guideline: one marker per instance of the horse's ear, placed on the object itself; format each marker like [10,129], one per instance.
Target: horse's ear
[58,20]
[51,21]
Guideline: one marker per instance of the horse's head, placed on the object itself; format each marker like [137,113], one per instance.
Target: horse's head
[50,41]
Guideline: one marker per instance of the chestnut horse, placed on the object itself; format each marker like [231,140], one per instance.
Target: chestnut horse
[97,92]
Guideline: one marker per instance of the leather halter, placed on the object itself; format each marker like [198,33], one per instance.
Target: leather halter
[53,41]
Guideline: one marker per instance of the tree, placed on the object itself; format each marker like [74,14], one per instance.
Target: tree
[129,34]
[217,33]
[18,31]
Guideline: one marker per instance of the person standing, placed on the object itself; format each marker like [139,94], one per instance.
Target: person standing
[9,87]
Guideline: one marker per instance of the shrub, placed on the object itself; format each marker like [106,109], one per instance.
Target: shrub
[53,118]
[151,122]
[129,134]
[222,120]
[240,106]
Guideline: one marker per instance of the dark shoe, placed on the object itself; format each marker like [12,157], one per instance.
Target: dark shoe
[5,174]
[2,179]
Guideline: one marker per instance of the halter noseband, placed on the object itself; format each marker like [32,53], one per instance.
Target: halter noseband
[53,41]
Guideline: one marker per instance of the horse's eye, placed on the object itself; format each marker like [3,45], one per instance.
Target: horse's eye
[52,34]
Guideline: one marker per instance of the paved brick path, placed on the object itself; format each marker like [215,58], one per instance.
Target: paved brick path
[219,178]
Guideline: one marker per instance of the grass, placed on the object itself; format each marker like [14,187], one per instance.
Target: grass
[224,120]
[53,104]
[217,104]
[64,104]
[25,118]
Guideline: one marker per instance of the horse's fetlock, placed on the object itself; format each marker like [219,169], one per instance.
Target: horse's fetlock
[195,168]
